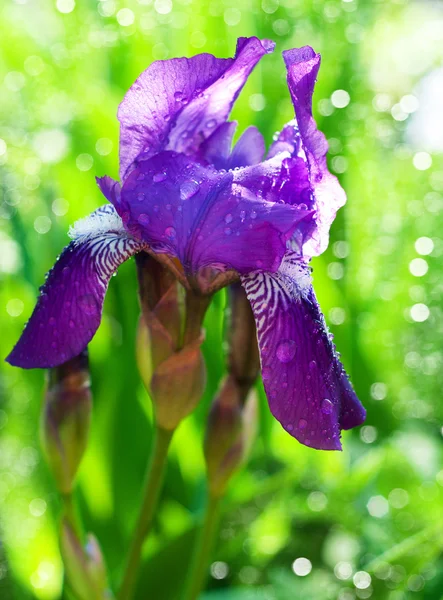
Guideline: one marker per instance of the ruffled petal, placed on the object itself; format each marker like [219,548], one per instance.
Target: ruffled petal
[194,212]
[176,104]
[68,311]
[302,67]
[306,385]
[282,179]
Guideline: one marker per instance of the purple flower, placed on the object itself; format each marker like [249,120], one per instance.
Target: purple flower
[186,194]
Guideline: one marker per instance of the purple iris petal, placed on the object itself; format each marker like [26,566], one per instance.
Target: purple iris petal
[176,104]
[68,311]
[302,66]
[110,189]
[217,149]
[195,213]
[305,382]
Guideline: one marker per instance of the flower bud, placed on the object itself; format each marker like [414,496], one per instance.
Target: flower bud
[66,418]
[233,416]
[85,567]
[229,434]
[169,343]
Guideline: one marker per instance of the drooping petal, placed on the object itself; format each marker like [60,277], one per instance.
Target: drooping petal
[176,104]
[306,385]
[194,212]
[302,67]
[68,311]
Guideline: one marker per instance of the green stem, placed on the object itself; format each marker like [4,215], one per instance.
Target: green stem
[154,479]
[202,552]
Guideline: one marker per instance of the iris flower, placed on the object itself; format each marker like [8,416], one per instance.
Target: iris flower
[222,214]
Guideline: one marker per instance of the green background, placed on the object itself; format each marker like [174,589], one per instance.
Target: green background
[64,69]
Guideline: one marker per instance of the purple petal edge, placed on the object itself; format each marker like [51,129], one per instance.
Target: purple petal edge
[302,67]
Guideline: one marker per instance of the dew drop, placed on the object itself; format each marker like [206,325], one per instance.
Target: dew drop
[266,373]
[286,351]
[211,123]
[170,233]
[88,304]
[141,177]
[178,96]
[143,219]
[160,176]
[228,231]
[188,189]
[141,196]
[253,214]
[326,406]
[259,264]
[242,215]
[302,423]
[228,218]
[289,427]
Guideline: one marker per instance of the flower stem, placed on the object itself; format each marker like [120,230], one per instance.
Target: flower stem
[202,550]
[153,482]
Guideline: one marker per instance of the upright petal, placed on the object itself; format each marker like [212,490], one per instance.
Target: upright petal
[306,385]
[302,66]
[194,212]
[68,311]
[176,104]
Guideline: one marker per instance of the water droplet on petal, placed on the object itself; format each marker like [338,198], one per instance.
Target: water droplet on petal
[242,215]
[286,350]
[170,233]
[211,123]
[253,214]
[88,304]
[302,423]
[228,218]
[228,231]
[259,264]
[141,196]
[178,96]
[143,219]
[289,427]
[161,176]
[266,373]
[188,189]
[327,406]
[141,177]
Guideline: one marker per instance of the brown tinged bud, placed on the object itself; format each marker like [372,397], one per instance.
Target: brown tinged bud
[243,358]
[169,342]
[66,418]
[229,434]
[233,416]
[85,567]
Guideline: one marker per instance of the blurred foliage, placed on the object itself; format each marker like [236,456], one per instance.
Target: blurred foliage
[374,508]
